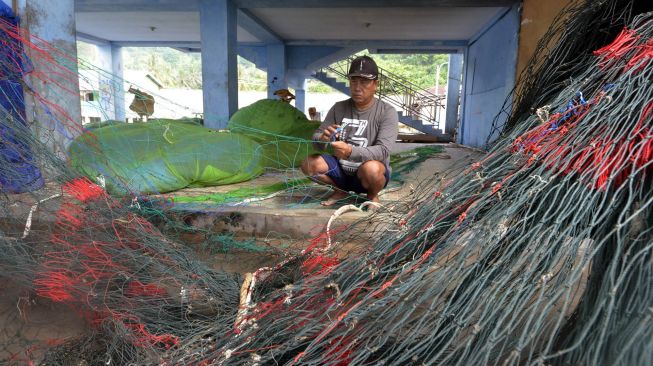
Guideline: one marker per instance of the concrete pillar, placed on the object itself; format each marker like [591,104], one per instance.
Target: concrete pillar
[219,61]
[277,68]
[453,92]
[110,79]
[55,81]
[300,96]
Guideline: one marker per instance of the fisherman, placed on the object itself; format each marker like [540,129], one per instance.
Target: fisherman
[360,132]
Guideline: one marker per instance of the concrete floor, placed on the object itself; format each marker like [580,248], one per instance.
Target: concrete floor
[287,222]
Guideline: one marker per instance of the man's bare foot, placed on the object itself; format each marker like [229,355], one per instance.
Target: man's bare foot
[334,198]
[373,205]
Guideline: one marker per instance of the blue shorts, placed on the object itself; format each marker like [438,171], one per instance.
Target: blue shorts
[345,181]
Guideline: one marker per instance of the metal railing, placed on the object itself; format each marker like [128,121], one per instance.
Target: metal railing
[411,99]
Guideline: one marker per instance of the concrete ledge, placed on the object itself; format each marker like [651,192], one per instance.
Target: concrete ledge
[260,221]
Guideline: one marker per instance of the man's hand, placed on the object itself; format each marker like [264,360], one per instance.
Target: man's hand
[328,132]
[341,149]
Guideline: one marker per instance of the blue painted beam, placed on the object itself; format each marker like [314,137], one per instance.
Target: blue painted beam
[219,61]
[187,49]
[91,39]
[453,93]
[371,3]
[414,44]
[171,44]
[193,5]
[468,73]
[117,69]
[494,20]
[277,68]
[106,82]
[300,57]
[406,51]
[300,96]
[256,27]
[89,6]
[255,54]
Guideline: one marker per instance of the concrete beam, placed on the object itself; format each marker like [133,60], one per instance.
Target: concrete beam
[187,49]
[300,95]
[494,20]
[398,44]
[256,27]
[171,44]
[89,6]
[219,61]
[303,57]
[371,3]
[190,5]
[408,51]
[81,36]
[119,84]
[258,55]
[106,82]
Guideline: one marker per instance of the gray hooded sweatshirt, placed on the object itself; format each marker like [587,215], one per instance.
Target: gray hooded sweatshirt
[371,132]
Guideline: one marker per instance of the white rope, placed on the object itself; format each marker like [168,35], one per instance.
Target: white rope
[28,224]
[339,212]
[260,274]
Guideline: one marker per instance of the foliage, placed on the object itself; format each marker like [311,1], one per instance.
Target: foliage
[88,53]
[176,69]
[420,69]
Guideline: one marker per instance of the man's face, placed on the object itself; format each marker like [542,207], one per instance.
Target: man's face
[362,90]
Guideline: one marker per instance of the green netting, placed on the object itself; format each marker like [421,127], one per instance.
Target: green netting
[405,162]
[402,164]
[240,194]
[167,155]
[283,132]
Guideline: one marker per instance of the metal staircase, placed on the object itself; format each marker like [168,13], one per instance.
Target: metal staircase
[418,107]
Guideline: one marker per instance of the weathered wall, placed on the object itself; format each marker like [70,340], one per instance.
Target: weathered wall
[536,17]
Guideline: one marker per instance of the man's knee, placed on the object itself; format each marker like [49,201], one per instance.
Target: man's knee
[306,166]
[372,171]
[313,165]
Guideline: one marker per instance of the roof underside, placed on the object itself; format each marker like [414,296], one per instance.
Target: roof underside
[152,21]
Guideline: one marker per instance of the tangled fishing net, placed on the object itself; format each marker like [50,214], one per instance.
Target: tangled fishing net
[540,253]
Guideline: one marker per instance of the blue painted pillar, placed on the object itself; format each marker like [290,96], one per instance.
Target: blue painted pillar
[453,92]
[219,61]
[277,68]
[119,83]
[56,26]
[112,92]
[300,96]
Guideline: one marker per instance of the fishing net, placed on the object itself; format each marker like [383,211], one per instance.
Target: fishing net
[539,253]
[165,155]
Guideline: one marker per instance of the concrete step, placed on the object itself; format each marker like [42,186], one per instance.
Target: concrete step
[420,126]
[332,82]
